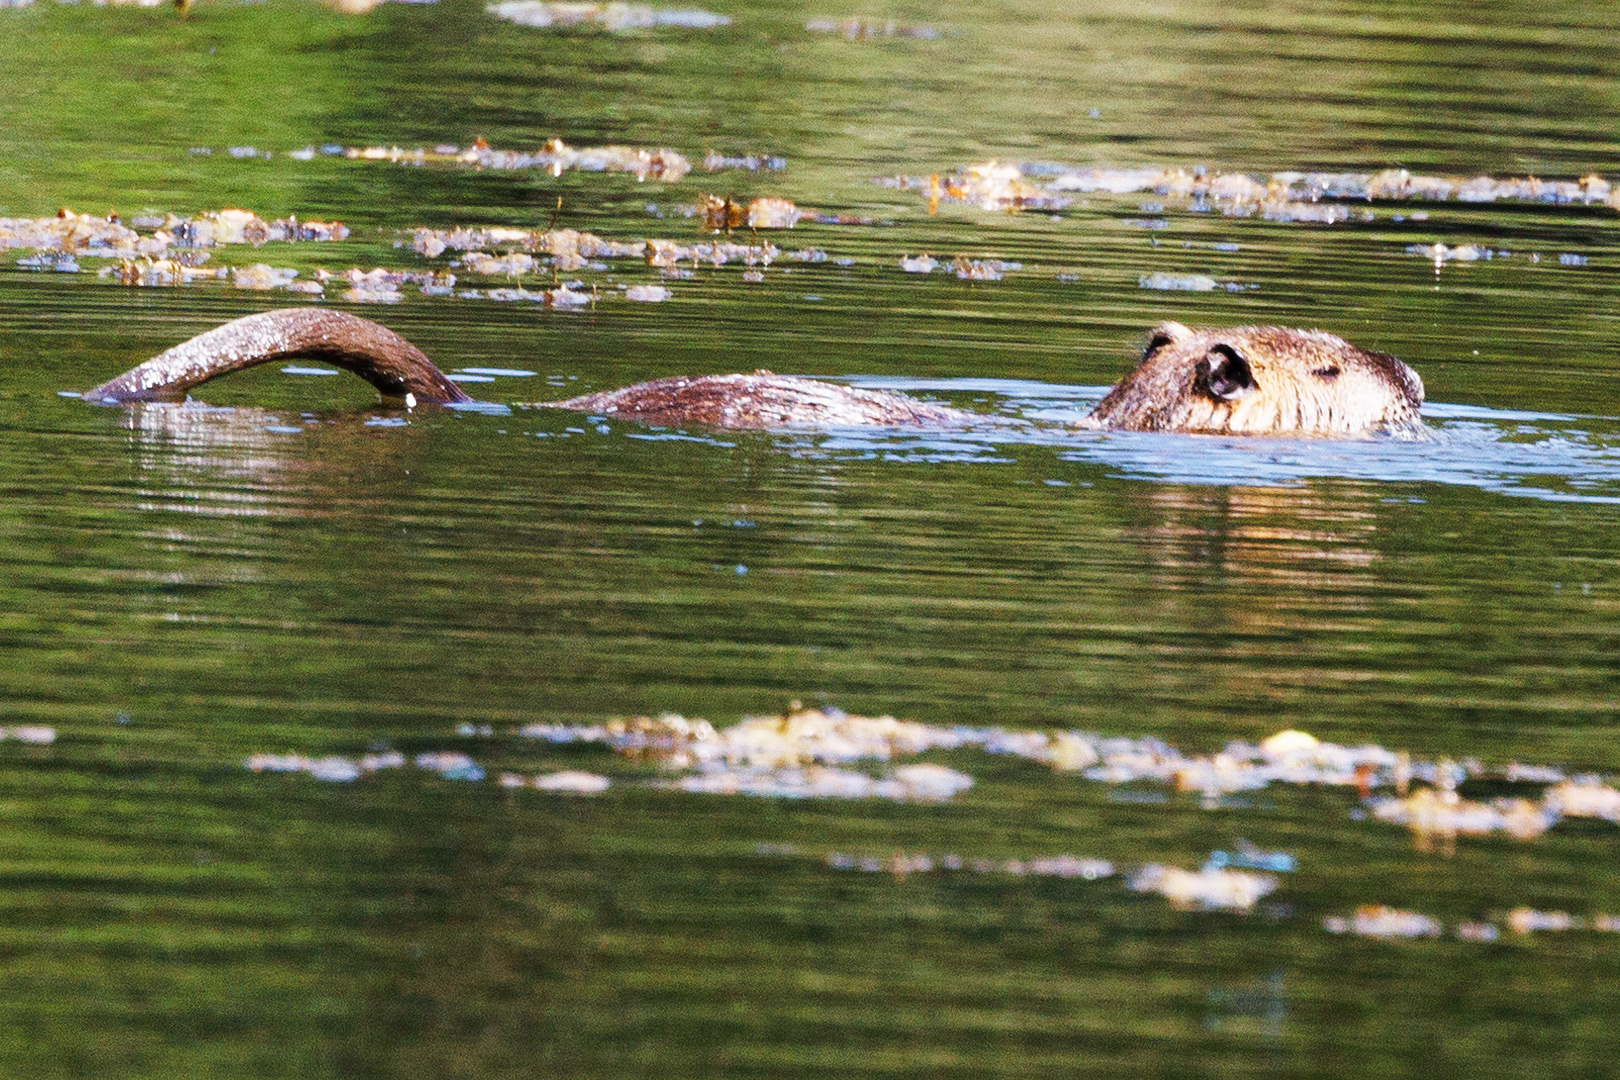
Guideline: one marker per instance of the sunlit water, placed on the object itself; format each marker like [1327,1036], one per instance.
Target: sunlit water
[292,570]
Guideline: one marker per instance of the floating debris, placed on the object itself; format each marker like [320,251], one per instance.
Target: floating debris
[1440,254]
[927,782]
[859,28]
[918,264]
[573,782]
[1065,751]
[110,237]
[902,864]
[660,164]
[514,265]
[30,733]
[570,249]
[670,254]
[434,242]
[568,782]
[1290,196]
[260,276]
[723,215]
[1291,210]
[799,754]
[225,227]
[647,294]
[1378,921]
[796,737]
[1519,773]
[360,7]
[1209,889]
[751,162]
[787,756]
[1524,920]
[981,269]
[69,232]
[1249,857]
[994,186]
[614,17]
[146,273]
[567,299]
[507,296]
[61,264]
[911,783]
[810,736]
[1178,282]
[376,286]
[331,769]
[1584,797]
[1289,743]
[1441,816]
[450,764]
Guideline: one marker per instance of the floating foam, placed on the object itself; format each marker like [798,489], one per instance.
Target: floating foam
[1378,921]
[572,782]
[1208,889]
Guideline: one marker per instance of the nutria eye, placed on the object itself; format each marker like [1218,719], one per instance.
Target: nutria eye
[1328,373]
[1225,373]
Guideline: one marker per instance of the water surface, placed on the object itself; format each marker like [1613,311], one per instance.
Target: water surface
[294,569]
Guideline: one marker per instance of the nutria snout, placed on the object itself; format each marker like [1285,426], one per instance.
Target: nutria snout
[1257,380]
[1261,380]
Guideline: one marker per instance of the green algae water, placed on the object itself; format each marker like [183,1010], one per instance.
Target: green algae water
[286,568]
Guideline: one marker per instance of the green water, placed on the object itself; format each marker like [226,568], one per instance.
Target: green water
[183,588]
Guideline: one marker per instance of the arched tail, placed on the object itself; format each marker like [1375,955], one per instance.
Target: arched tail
[376,354]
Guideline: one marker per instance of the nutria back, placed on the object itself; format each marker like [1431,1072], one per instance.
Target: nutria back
[1261,380]
[763,401]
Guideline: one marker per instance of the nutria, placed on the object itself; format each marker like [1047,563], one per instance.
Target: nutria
[1251,380]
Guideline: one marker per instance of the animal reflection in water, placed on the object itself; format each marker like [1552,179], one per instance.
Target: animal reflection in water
[1253,380]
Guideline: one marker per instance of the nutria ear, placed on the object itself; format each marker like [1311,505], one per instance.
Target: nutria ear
[1166,333]
[1225,373]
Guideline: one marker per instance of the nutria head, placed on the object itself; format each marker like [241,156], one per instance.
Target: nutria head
[1261,380]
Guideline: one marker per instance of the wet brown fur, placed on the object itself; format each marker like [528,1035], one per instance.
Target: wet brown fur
[1249,380]
[763,400]
[375,353]
[1261,380]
